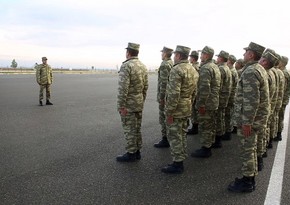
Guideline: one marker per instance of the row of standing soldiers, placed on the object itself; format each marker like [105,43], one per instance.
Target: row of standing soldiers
[216,97]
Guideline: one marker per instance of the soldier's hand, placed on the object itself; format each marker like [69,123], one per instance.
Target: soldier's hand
[247,130]
[123,111]
[201,110]
[169,120]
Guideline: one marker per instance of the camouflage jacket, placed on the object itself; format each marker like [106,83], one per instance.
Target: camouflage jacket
[226,85]
[272,89]
[252,102]
[208,86]
[44,74]
[286,86]
[133,85]
[235,79]
[163,74]
[180,88]
[196,66]
[281,84]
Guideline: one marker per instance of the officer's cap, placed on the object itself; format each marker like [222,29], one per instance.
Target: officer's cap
[194,53]
[223,54]
[166,50]
[255,47]
[133,46]
[182,49]
[208,50]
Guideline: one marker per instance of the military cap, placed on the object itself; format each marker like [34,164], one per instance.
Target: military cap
[194,53]
[255,47]
[208,50]
[241,61]
[223,54]
[182,49]
[284,59]
[232,58]
[166,50]
[270,56]
[133,46]
[44,58]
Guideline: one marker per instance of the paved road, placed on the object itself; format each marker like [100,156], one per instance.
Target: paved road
[65,153]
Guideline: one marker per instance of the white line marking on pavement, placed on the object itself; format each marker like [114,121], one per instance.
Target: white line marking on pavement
[274,192]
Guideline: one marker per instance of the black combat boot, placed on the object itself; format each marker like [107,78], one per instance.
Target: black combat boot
[235,130]
[138,155]
[193,130]
[40,103]
[227,136]
[127,157]
[245,184]
[202,153]
[265,154]
[270,145]
[163,143]
[278,137]
[174,168]
[218,142]
[48,102]
[260,163]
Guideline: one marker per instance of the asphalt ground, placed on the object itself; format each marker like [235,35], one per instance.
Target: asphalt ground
[65,153]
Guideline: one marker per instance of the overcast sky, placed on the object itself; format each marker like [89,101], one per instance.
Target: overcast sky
[85,33]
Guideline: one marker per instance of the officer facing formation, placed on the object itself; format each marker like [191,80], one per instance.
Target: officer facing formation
[179,93]
[44,79]
[252,108]
[193,59]
[224,95]
[207,101]
[132,90]
[163,74]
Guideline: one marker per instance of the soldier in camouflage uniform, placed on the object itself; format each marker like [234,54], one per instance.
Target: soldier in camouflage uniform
[230,108]
[282,66]
[44,79]
[239,66]
[225,91]
[163,74]
[280,98]
[193,59]
[179,93]
[207,101]
[252,108]
[268,61]
[132,90]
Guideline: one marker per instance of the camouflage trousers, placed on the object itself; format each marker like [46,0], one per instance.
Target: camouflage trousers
[262,136]
[162,119]
[276,122]
[47,88]
[132,130]
[177,138]
[194,114]
[248,153]
[229,111]
[220,121]
[281,118]
[207,128]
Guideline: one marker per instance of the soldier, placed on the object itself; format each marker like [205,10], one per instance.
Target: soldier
[44,79]
[239,66]
[179,93]
[230,108]
[225,91]
[268,61]
[282,66]
[207,101]
[163,74]
[193,59]
[252,110]
[133,85]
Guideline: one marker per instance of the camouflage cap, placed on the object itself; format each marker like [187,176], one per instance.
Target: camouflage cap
[208,50]
[133,46]
[182,49]
[270,56]
[166,50]
[44,58]
[241,61]
[255,47]
[232,58]
[284,59]
[223,54]
[194,53]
